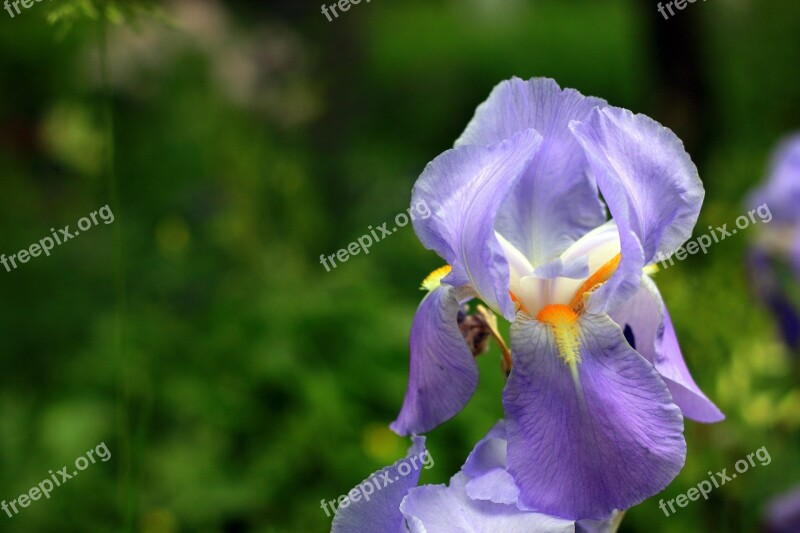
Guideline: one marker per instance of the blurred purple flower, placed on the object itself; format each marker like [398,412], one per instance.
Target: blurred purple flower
[783,513]
[481,498]
[782,188]
[767,286]
[594,425]
[778,245]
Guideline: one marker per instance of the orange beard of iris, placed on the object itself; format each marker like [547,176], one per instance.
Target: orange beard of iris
[563,321]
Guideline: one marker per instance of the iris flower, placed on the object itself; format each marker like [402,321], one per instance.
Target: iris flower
[779,243]
[481,498]
[598,388]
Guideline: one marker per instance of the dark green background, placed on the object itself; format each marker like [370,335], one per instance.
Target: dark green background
[246,383]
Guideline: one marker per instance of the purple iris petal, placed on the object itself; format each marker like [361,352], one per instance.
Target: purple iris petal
[400,507]
[489,479]
[651,187]
[439,508]
[652,328]
[464,188]
[381,511]
[486,471]
[581,448]
[685,392]
[443,373]
[555,202]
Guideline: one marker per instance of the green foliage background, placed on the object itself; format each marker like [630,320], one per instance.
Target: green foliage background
[247,383]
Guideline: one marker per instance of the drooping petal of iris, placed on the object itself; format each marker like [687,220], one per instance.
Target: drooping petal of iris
[647,320]
[594,424]
[486,479]
[481,498]
[380,510]
[448,508]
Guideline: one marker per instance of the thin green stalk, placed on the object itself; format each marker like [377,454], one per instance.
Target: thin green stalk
[121,363]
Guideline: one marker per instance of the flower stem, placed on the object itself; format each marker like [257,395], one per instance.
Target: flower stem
[121,362]
[491,320]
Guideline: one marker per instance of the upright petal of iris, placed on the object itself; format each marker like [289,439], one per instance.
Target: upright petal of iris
[651,187]
[464,188]
[555,202]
